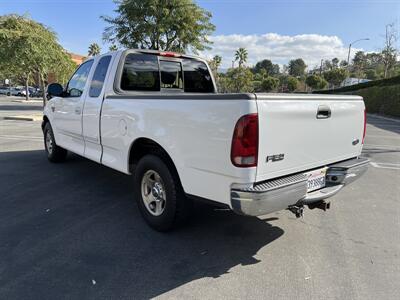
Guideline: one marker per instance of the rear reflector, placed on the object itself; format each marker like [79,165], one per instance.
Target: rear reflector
[365,125]
[244,150]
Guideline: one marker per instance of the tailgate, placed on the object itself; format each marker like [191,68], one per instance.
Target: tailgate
[293,139]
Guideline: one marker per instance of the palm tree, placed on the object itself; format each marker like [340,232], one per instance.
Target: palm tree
[113,47]
[216,62]
[94,49]
[241,56]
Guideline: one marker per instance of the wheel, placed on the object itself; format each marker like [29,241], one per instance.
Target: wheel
[159,194]
[54,153]
[8,94]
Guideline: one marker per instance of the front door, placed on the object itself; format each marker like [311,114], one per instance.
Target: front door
[69,109]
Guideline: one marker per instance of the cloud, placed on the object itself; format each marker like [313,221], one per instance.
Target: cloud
[278,48]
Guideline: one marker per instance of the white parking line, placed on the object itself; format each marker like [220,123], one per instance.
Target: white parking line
[19,137]
[385,166]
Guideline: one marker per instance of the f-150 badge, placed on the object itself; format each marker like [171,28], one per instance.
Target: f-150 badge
[275,157]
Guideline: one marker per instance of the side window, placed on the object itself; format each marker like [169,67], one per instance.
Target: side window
[197,77]
[171,75]
[140,73]
[77,82]
[99,76]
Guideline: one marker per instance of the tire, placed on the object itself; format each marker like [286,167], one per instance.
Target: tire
[159,181]
[54,153]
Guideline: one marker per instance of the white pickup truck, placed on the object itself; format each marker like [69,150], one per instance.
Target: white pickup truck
[158,116]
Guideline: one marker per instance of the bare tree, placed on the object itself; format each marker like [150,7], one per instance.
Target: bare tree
[389,52]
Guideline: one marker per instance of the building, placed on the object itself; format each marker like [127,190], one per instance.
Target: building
[76,58]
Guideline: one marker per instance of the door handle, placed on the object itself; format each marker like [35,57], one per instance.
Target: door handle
[78,110]
[324,112]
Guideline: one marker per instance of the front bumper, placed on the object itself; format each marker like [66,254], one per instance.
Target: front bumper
[278,194]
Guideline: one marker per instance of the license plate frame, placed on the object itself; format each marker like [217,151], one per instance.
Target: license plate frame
[316,179]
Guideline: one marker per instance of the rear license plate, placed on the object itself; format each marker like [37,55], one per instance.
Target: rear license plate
[316,179]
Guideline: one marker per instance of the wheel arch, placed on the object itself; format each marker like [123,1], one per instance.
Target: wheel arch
[45,121]
[143,146]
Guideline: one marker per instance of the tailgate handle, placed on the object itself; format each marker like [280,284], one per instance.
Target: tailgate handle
[324,112]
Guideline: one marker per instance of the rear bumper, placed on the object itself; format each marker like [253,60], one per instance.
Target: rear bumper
[278,194]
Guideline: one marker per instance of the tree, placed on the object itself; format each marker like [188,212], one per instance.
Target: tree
[291,83]
[269,84]
[267,65]
[94,49]
[215,63]
[297,67]
[371,74]
[316,82]
[359,64]
[241,56]
[113,47]
[335,76]
[335,62]
[28,48]
[389,51]
[343,63]
[173,25]
[239,80]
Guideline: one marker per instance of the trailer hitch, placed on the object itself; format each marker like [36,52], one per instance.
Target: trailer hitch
[298,210]
[320,204]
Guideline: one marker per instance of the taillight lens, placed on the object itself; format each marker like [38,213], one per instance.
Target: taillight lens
[244,151]
[365,125]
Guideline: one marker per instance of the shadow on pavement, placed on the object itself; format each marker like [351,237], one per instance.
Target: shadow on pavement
[384,124]
[20,107]
[73,230]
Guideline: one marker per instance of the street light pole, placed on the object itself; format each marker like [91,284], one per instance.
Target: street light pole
[352,43]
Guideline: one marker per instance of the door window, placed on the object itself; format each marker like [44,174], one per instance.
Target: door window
[77,82]
[99,76]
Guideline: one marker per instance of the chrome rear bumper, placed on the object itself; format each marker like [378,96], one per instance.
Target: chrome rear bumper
[278,194]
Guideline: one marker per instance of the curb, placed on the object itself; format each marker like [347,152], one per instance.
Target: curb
[29,101]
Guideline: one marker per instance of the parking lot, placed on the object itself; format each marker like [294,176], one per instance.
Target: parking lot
[73,231]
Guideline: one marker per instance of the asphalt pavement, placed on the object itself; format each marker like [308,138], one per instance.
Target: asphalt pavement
[73,231]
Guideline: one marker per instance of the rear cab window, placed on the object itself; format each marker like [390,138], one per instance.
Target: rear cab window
[197,77]
[140,73]
[152,72]
[171,75]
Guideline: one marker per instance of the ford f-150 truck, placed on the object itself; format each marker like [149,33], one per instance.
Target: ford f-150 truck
[158,116]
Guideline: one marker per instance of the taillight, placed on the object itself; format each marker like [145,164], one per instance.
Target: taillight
[244,151]
[365,125]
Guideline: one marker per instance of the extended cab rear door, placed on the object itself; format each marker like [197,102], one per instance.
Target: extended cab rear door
[92,108]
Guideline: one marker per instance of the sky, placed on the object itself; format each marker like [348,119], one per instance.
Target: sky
[272,29]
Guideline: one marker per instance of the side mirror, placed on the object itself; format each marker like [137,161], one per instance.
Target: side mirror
[55,90]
